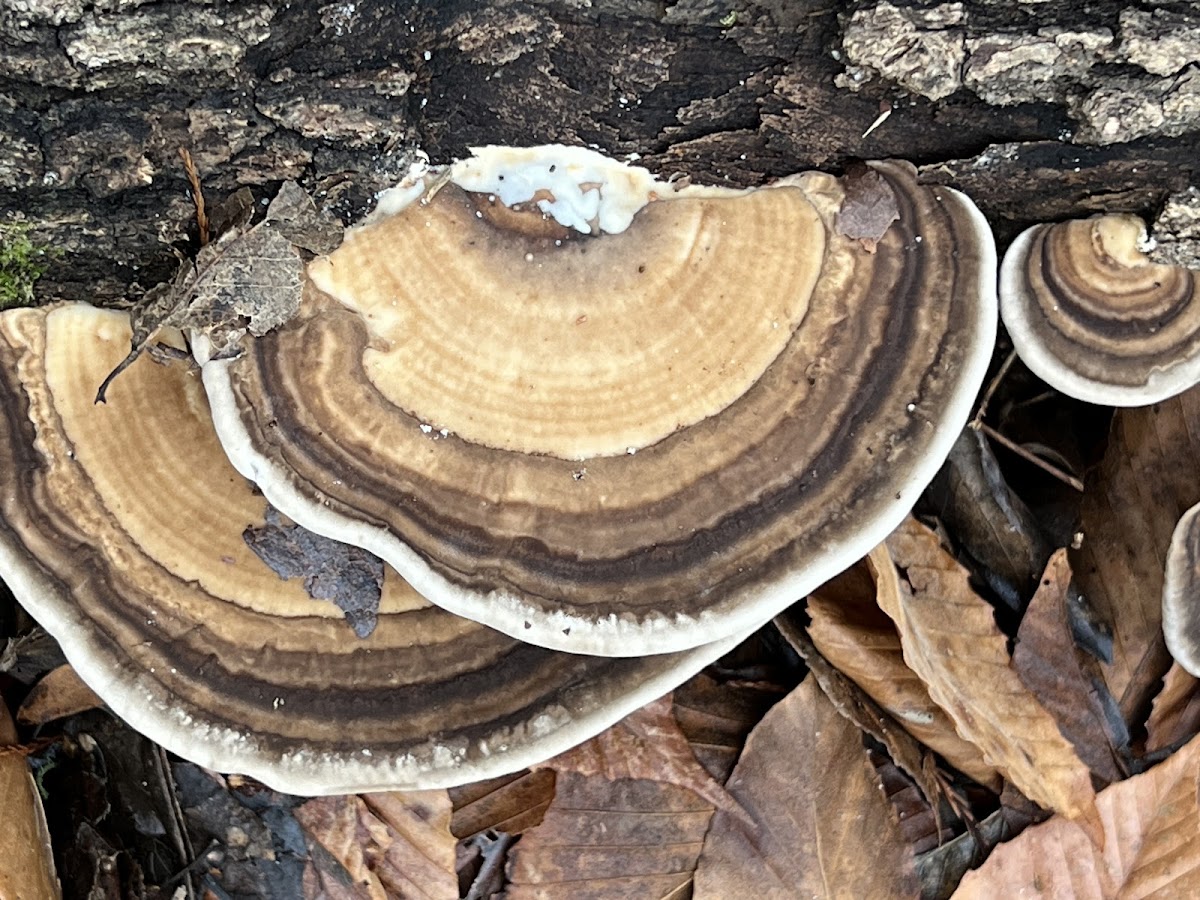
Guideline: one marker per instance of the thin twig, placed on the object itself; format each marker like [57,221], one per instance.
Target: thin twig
[991,388]
[178,825]
[197,194]
[1026,455]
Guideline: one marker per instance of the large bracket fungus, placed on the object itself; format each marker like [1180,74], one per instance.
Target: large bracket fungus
[122,531]
[613,415]
[1093,317]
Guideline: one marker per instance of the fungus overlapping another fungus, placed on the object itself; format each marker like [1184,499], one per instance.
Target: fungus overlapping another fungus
[123,530]
[614,415]
[1093,317]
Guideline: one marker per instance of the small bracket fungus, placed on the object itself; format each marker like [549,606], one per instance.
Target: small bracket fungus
[1181,593]
[610,414]
[1093,317]
[122,530]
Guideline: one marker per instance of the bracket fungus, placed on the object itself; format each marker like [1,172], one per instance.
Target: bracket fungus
[123,530]
[1093,317]
[610,414]
[1181,593]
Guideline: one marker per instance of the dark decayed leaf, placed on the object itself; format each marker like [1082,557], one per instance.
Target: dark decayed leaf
[869,206]
[818,824]
[1148,478]
[348,576]
[510,803]
[1067,683]
[647,744]
[915,815]
[602,839]
[716,717]
[248,280]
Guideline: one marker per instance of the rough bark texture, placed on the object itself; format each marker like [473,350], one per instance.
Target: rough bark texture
[1038,110]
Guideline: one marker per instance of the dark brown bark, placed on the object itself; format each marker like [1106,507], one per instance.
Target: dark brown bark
[95,103]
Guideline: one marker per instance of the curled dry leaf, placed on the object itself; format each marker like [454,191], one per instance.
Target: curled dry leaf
[951,641]
[602,839]
[1149,477]
[1066,682]
[821,825]
[61,693]
[646,744]
[390,846]
[853,633]
[1175,717]
[1151,845]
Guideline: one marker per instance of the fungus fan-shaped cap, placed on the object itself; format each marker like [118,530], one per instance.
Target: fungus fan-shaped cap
[622,441]
[1094,318]
[1181,593]
[122,531]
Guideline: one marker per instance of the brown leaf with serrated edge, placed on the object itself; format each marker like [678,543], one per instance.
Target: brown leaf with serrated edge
[59,694]
[646,744]
[510,803]
[1065,681]
[821,826]
[602,839]
[716,718]
[854,634]
[951,641]
[1175,717]
[1149,477]
[853,703]
[1151,846]
[389,846]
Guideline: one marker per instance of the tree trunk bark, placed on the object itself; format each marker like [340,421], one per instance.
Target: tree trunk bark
[1035,110]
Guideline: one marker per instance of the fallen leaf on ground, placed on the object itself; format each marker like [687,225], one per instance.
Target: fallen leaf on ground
[1149,477]
[387,846]
[510,803]
[647,744]
[914,813]
[60,693]
[602,839]
[1067,683]
[1175,717]
[716,717]
[951,641]
[855,635]
[821,825]
[1151,844]
[26,861]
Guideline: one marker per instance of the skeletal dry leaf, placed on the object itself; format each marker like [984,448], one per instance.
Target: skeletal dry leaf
[1151,846]
[1175,716]
[647,744]
[26,861]
[602,839]
[59,694]
[1148,478]
[819,824]
[387,846]
[510,803]
[855,635]
[951,641]
[1065,681]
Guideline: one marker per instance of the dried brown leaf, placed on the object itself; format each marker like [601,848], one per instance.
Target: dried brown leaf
[61,693]
[869,207]
[1151,846]
[602,839]
[1065,682]
[647,744]
[1149,477]
[387,846]
[951,641]
[26,860]
[510,803]
[1175,717]
[915,815]
[717,717]
[821,826]
[854,634]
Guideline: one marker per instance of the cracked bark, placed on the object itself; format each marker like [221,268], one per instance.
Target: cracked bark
[96,98]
